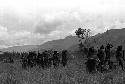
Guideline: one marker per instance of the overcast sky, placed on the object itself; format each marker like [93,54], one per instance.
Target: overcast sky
[32,22]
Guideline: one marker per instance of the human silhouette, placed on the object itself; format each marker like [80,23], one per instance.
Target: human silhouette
[55,59]
[91,61]
[64,57]
[119,56]
[107,52]
[101,56]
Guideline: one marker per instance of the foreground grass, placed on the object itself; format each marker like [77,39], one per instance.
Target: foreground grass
[73,73]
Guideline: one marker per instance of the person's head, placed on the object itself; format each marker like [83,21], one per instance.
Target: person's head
[119,47]
[55,52]
[102,47]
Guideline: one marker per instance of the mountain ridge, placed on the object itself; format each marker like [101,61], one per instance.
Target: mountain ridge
[114,36]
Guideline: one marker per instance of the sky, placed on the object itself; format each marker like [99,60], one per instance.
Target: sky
[33,22]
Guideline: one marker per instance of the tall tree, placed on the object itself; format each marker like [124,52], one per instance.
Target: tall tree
[83,34]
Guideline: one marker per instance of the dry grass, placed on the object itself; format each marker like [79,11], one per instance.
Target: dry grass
[73,73]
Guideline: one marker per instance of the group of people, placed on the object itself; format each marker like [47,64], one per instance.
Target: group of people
[102,58]
[45,59]
[97,59]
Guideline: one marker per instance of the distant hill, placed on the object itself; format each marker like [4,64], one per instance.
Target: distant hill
[54,44]
[114,36]
[61,43]
[24,48]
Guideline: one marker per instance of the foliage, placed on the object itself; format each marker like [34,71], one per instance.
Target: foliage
[83,34]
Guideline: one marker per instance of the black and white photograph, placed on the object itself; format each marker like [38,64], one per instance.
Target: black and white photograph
[62,41]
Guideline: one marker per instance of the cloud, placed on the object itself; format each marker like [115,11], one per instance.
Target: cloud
[44,27]
[60,24]
[14,22]
[17,30]
[25,38]
[13,38]
[59,21]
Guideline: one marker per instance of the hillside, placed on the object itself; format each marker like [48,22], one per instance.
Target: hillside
[54,44]
[61,43]
[114,36]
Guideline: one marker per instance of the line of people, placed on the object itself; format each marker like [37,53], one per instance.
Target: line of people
[45,59]
[102,58]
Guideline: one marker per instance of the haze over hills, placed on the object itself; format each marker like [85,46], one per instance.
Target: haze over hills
[114,36]
[61,43]
[55,44]
[20,48]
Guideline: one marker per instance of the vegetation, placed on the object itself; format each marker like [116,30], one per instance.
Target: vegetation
[83,34]
[61,67]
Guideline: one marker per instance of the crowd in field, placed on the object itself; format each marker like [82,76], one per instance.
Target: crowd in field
[101,61]
[96,59]
[45,59]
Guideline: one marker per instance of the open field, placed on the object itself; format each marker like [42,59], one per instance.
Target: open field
[73,73]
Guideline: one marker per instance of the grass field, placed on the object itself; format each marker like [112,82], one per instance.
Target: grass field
[73,73]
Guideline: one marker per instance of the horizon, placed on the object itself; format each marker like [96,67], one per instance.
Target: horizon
[31,22]
[53,40]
